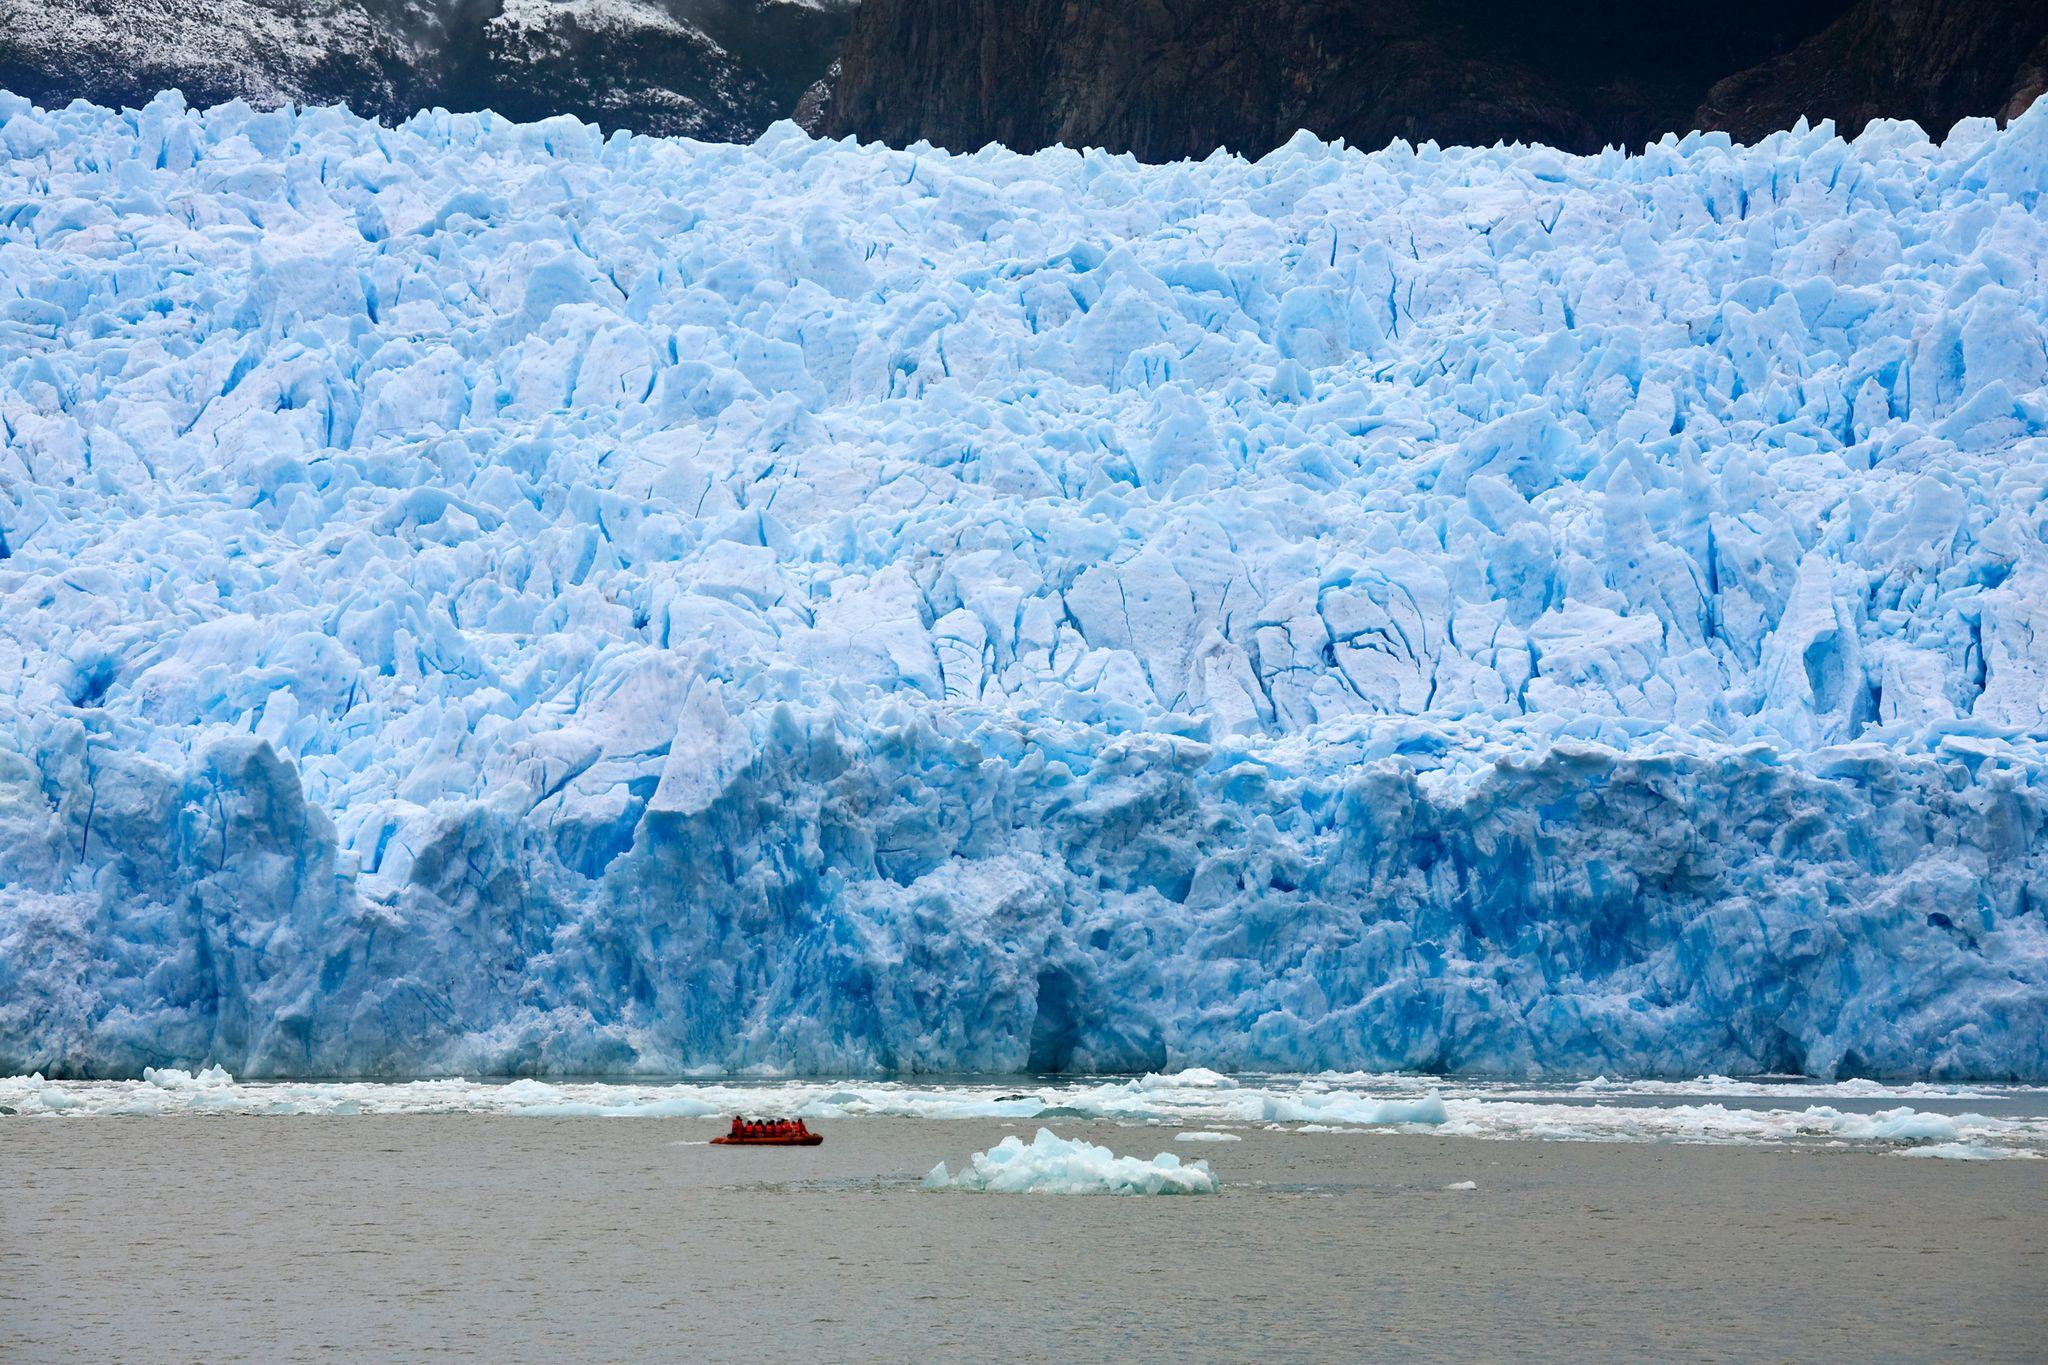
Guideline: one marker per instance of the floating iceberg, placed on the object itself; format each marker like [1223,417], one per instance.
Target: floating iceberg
[1969,1151]
[1337,1106]
[493,598]
[1895,1125]
[1193,1078]
[1056,1165]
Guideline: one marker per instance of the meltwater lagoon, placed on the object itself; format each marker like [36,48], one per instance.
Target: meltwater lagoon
[493,1236]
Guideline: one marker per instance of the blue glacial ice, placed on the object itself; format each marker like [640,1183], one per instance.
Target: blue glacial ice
[484,598]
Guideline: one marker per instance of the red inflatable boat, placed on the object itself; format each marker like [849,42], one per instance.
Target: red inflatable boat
[768,1133]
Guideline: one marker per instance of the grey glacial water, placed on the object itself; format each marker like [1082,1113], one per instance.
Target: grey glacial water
[500,1238]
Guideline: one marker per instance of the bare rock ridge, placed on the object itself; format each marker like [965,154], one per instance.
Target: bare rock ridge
[1161,78]
[1178,78]
[714,69]
[1933,61]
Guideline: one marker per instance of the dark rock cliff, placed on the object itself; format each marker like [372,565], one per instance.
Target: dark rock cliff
[1933,61]
[1162,78]
[1174,78]
[719,69]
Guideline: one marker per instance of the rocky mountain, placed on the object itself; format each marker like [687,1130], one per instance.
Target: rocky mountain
[718,69]
[1175,78]
[1161,78]
[1932,61]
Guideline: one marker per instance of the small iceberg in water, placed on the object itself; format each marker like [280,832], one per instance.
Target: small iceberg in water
[1050,1164]
[1969,1151]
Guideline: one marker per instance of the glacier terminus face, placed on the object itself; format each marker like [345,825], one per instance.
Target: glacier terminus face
[492,598]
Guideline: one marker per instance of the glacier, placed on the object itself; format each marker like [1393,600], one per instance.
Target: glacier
[484,598]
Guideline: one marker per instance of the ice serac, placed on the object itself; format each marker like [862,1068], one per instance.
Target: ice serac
[479,597]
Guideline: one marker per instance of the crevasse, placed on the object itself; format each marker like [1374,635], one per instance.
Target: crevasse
[491,598]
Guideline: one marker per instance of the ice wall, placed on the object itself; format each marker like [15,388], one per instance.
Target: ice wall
[492,598]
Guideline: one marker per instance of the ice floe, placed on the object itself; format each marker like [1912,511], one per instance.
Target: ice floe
[1204,1112]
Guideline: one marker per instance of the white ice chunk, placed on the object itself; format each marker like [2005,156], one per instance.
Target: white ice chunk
[1054,1165]
[1969,1151]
